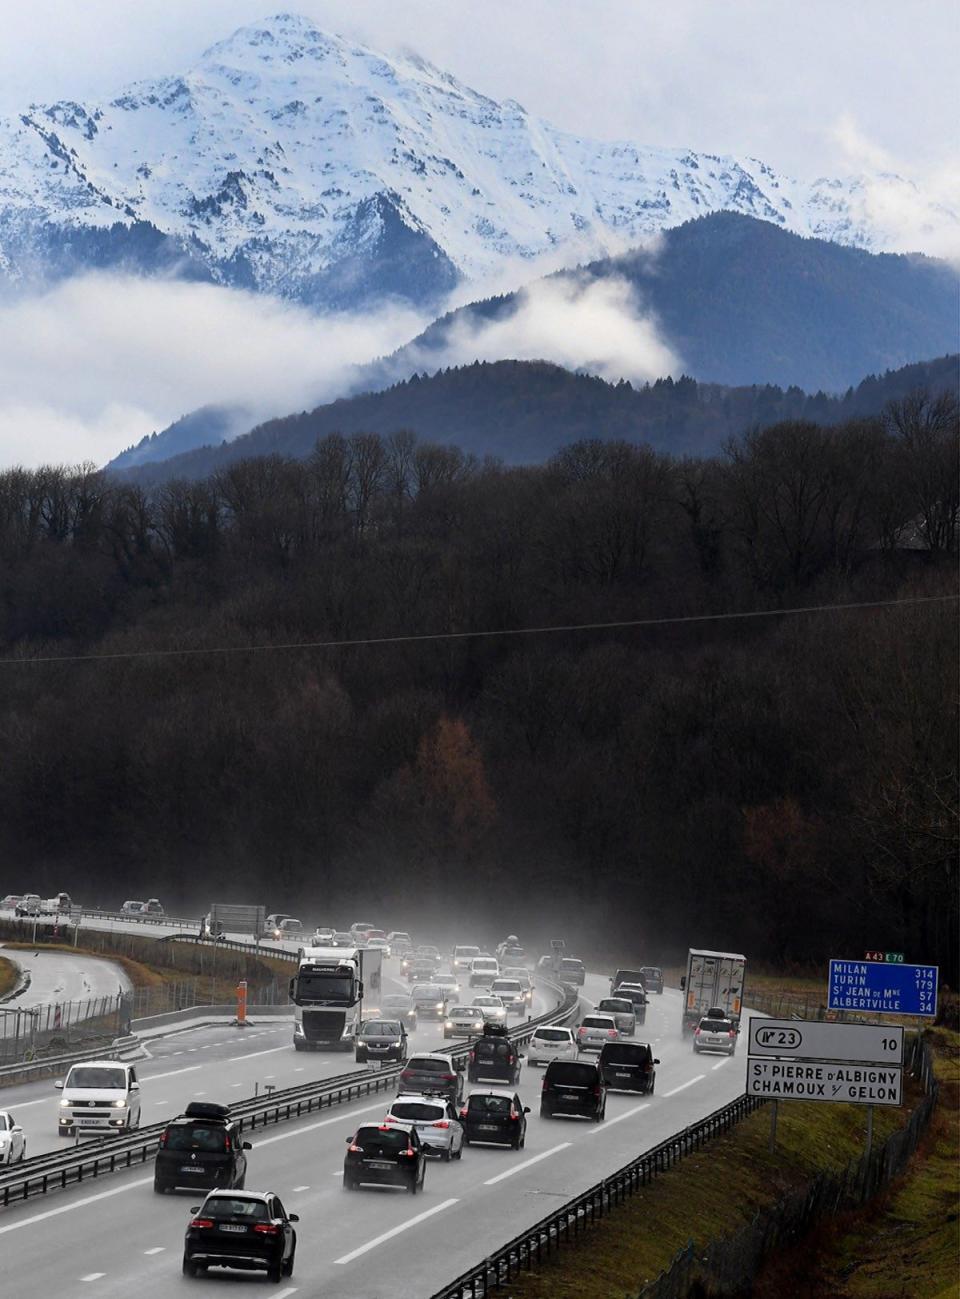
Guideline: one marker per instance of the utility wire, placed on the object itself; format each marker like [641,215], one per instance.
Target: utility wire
[421,637]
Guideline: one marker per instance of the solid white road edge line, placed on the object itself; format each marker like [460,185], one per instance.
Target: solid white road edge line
[285,1294]
[518,1168]
[190,1068]
[395,1231]
[251,1055]
[683,1086]
[720,1064]
[608,1123]
[74,1204]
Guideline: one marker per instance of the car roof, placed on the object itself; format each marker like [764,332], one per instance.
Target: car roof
[430,1055]
[418,1096]
[237,1194]
[491,1091]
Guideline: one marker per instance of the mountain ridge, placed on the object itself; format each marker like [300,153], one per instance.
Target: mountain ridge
[294,162]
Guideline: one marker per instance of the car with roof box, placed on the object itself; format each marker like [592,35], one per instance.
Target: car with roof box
[203,1146]
[384,1154]
[433,1073]
[247,1230]
[573,1087]
[628,1066]
[494,1116]
[494,1056]
[436,1121]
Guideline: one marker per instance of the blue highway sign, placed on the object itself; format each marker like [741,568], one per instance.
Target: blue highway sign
[883,989]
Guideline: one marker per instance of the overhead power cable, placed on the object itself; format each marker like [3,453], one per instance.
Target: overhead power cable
[414,638]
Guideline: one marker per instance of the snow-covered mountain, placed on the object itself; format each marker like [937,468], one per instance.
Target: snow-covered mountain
[294,162]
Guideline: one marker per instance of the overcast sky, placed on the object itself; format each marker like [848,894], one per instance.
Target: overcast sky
[818,87]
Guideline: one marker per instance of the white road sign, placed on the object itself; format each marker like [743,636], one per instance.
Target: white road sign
[852,1084]
[813,1040]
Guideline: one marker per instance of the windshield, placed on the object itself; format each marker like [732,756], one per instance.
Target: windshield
[568,1073]
[396,1002]
[625,1053]
[381,1028]
[618,1005]
[325,987]
[490,1104]
[426,992]
[4,1123]
[570,963]
[87,1076]
[381,1141]
[506,985]
[484,963]
[424,1064]
[466,1012]
[552,1035]
[597,1021]
[716,1025]
[211,1140]
[422,1110]
[466,951]
[223,1206]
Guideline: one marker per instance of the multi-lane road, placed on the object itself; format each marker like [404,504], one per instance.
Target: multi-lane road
[118,1236]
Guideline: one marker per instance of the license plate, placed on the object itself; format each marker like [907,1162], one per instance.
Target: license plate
[376,1163]
[486,1127]
[190,1168]
[231,1226]
[378,1048]
[621,1075]
[570,1097]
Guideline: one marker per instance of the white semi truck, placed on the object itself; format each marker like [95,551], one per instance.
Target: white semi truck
[714,981]
[329,991]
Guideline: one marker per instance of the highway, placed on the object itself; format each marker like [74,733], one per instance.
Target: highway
[117,1234]
[60,976]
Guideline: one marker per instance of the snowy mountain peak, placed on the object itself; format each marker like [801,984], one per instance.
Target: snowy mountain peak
[296,162]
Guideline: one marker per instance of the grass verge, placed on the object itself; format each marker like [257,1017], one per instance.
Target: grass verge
[714,1192]
[8,976]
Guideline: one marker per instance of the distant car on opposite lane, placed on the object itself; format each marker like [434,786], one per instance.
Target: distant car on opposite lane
[13,1140]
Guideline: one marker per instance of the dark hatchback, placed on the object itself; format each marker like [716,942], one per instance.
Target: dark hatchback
[201,1148]
[573,1087]
[628,1066]
[496,1116]
[494,1056]
[381,1039]
[386,1155]
[652,978]
[248,1230]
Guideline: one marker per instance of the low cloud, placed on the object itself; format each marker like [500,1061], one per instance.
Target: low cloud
[96,363]
[914,209]
[596,325]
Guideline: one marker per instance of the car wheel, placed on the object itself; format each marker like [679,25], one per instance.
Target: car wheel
[288,1266]
[159,1187]
[297,1044]
[243,1181]
[515,1143]
[466,1140]
[414,1188]
[189,1269]
[459,1154]
[275,1271]
[545,1113]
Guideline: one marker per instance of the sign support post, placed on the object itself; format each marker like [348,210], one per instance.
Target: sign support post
[869,1130]
[773,1126]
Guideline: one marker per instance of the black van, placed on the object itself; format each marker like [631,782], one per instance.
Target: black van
[494,1056]
[201,1147]
[628,1066]
[573,1087]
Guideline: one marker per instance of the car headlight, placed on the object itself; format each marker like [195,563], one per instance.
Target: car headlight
[439,1005]
[448,1023]
[64,1104]
[118,1104]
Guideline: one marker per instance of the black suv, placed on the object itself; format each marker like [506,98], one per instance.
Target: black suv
[386,1154]
[201,1147]
[497,1116]
[573,1087]
[249,1230]
[628,1066]
[494,1056]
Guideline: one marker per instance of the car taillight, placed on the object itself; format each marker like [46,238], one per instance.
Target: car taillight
[596,1090]
[406,1074]
[441,1123]
[410,1152]
[514,1115]
[449,1077]
[543,1085]
[354,1148]
[463,1112]
[473,1055]
[389,1118]
[163,1139]
[266,1228]
[611,1032]
[581,1032]
[202,1222]
[696,1032]
[732,1033]
[226,1144]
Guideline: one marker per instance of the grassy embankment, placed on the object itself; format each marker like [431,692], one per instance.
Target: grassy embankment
[8,976]
[736,1175]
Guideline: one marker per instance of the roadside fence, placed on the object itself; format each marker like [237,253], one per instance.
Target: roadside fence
[727,1267]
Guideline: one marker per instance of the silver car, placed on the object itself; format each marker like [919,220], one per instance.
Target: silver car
[399,1005]
[713,1034]
[511,993]
[463,1021]
[621,1008]
[551,1043]
[596,1031]
[436,1121]
[494,1011]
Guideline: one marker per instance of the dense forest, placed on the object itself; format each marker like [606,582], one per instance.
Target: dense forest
[783,784]
[523,412]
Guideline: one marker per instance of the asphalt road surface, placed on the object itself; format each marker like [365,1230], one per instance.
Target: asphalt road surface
[118,1236]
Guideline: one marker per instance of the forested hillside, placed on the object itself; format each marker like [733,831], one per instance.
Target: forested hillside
[523,412]
[785,785]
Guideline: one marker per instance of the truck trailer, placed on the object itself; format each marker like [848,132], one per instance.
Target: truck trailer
[328,992]
[714,981]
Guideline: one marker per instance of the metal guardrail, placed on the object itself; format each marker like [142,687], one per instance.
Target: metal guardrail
[564,1225]
[54,1063]
[231,945]
[59,1169]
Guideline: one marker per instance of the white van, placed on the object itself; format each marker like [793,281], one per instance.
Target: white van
[99,1095]
[483,971]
